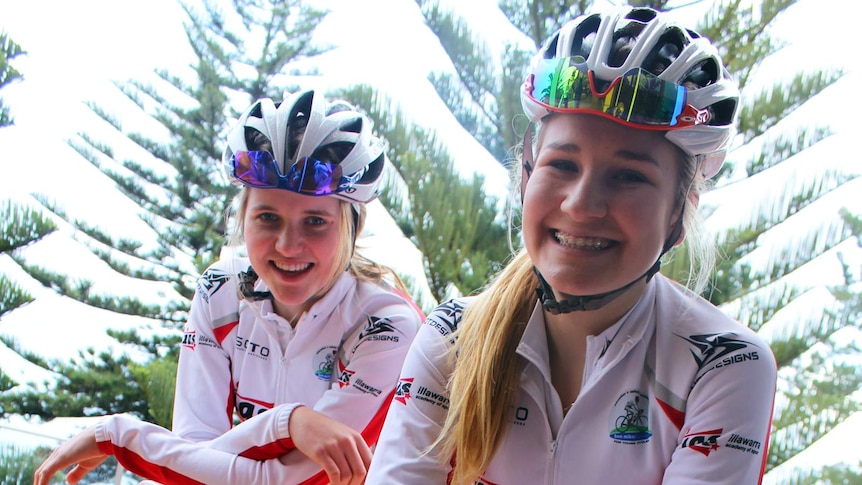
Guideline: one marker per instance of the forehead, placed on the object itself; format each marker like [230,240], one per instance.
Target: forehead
[286,201]
[598,135]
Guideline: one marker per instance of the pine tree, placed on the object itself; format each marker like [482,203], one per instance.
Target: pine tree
[9,50]
[456,226]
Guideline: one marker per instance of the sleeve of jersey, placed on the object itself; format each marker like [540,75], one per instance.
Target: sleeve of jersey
[416,417]
[203,402]
[725,429]
[155,453]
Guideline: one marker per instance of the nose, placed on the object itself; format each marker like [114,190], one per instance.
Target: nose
[585,198]
[289,241]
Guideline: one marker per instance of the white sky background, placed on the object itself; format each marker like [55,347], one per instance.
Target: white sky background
[76,48]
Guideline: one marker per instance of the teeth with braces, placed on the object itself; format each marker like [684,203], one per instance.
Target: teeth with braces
[293,268]
[581,242]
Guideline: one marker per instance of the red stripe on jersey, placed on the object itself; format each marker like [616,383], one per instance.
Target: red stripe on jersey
[677,417]
[370,434]
[136,464]
[220,333]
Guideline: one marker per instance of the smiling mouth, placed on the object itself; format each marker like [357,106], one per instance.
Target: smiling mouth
[292,268]
[592,243]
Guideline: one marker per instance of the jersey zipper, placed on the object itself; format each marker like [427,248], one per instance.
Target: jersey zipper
[552,462]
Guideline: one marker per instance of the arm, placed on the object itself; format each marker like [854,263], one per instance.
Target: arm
[203,403]
[359,399]
[725,435]
[416,417]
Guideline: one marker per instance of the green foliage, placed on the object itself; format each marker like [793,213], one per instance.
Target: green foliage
[820,400]
[101,384]
[9,50]
[454,224]
[33,358]
[770,106]
[158,380]
[20,225]
[17,465]
[483,96]
[6,382]
[11,295]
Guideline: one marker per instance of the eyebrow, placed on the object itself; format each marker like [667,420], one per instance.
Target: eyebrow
[270,207]
[624,154]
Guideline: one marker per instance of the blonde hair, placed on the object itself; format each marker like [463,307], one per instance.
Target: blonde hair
[487,369]
[346,257]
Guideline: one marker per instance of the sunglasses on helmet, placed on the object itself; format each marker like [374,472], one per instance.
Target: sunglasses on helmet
[307,176]
[637,97]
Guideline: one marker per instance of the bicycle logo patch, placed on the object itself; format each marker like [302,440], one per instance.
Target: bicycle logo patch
[629,418]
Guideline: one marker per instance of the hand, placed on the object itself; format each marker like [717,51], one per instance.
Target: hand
[81,450]
[337,448]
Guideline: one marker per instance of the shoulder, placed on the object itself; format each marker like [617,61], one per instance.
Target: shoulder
[383,301]
[692,330]
[219,275]
[446,318]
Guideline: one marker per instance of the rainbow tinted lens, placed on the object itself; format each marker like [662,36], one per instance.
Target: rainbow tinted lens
[637,97]
[307,176]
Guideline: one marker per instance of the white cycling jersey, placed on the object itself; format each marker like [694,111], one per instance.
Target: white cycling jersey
[673,393]
[342,359]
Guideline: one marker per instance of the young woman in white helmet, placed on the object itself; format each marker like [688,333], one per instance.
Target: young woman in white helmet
[301,342]
[581,363]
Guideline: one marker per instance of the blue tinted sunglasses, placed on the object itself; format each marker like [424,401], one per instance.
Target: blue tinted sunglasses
[307,176]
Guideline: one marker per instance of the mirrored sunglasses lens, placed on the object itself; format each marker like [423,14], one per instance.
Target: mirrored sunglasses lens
[255,168]
[314,177]
[637,97]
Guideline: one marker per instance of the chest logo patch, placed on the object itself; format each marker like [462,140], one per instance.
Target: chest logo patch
[629,418]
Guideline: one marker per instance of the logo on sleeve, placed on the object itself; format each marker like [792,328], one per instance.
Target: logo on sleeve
[210,282]
[704,442]
[740,443]
[344,375]
[378,329]
[718,350]
[445,318]
[189,339]
[402,392]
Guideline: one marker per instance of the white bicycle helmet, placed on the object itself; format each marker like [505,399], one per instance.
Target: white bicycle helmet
[306,145]
[612,46]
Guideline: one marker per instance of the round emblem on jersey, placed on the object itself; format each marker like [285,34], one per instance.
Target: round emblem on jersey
[324,362]
[629,418]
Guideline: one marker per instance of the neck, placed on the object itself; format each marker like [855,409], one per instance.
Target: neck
[581,324]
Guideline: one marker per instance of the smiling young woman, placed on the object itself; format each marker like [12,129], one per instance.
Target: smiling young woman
[581,362]
[300,342]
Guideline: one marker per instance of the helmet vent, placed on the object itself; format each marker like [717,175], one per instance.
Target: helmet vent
[641,14]
[585,36]
[665,51]
[721,113]
[702,75]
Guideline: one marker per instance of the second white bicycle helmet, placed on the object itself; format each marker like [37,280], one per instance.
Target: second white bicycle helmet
[638,66]
[306,145]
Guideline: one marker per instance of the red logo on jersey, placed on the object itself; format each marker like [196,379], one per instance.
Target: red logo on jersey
[703,441]
[344,374]
[189,339]
[402,392]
